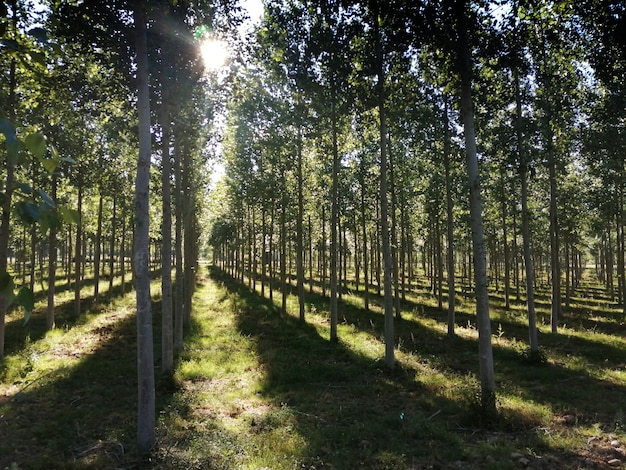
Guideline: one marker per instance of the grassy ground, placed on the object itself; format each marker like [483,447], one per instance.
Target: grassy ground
[257,390]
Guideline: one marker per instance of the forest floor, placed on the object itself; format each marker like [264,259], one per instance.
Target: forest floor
[254,389]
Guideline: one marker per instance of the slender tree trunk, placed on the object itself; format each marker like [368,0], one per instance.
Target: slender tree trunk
[97,257]
[621,269]
[300,228]
[310,254]
[384,202]
[487,376]
[264,252]
[123,251]
[145,355]
[178,243]
[555,263]
[78,253]
[366,289]
[334,216]
[283,251]
[449,221]
[52,263]
[189,237]
[394,235]
[8,186]
[505,243]
[271,251]
[112,245]
[528,258]
[167,312]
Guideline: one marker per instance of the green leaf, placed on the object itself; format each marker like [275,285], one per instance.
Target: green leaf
[36,144]
[38,57]
[69,216]
[25,188]
[26,299]
[27,212]
[50,164]
[40,34]
[10,44]
[47,199]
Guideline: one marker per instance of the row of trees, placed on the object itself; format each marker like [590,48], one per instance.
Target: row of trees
[103,104]
[344,144]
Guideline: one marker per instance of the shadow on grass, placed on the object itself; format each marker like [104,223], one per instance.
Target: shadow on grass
[353,412]
[564,387]
[18,334]
[81,415]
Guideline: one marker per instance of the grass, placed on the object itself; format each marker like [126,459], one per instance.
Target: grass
[254,389]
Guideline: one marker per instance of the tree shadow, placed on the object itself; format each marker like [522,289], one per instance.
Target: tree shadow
[353,411]
[81,415]
[565,388]
[18,334]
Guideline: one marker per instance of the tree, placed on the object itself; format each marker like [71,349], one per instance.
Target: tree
[487,377]
[145,359]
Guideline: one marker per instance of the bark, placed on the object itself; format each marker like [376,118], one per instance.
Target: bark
[505,243]
[52,263]
[449,222]
[487,376]
[5,219]
[178,243]
[97,250]
[310,255]
[78,253]
[112,245]
[167,313]
[189,237]
[394,235]
[334,216]
[300,230]
[528,259]
[366,293]
[145,355]
[283,251]
[555,262]
[384,203]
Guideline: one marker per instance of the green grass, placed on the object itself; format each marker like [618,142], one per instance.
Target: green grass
[255,389]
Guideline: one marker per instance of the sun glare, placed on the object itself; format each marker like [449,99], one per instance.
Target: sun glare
[214,53]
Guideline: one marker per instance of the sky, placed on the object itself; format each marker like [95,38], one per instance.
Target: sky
[254,8]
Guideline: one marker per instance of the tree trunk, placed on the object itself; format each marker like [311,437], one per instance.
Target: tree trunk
[52,263]
[145,356]
[78,253]
[366,293]
[394,234]
[8,187]
[112,245]
[167,313]
[283,251]
[528,258]
[97,257]
[449,221]
[178,243]
[384,202]
[505,243]
[300,229]
[487,376]
[555,263]
[334,216]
